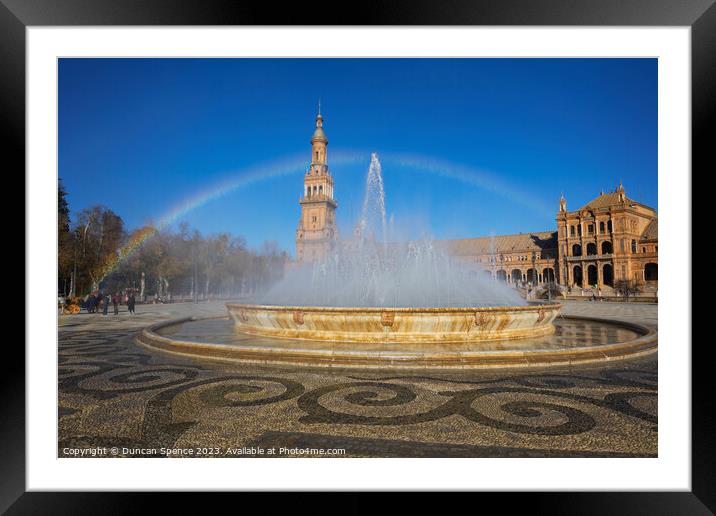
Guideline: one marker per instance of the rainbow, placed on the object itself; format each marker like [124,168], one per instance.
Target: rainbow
[233,181]
[482,179]
[297,163]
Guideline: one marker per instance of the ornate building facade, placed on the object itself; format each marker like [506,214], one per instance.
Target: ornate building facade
[610,239]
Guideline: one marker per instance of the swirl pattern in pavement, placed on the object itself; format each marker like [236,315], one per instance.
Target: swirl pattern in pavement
[114,392]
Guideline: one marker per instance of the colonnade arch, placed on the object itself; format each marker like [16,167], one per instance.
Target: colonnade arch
[608,274]
[592,275]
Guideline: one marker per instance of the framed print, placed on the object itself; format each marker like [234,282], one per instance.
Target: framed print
[416,252]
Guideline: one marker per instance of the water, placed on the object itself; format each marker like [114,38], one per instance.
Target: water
[372,215]
[377,269]
[569,334]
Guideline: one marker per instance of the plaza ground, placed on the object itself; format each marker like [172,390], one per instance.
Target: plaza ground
[115,393]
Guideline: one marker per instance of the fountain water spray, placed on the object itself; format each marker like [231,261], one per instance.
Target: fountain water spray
[370,270]
[373,211]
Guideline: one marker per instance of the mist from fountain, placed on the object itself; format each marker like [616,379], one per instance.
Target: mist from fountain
[374,269]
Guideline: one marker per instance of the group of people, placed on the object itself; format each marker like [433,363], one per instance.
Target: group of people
[98,300]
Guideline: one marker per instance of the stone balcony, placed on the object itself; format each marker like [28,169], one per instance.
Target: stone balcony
[590,257]
[318,198]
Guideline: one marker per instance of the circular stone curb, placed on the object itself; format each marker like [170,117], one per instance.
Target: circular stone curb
[645,344]
[395,324]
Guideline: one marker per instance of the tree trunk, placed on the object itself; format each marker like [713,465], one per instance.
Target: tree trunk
[141,287]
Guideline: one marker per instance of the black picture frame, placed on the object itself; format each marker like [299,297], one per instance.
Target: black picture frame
[16,15]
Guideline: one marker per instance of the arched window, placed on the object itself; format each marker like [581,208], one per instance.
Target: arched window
[591,249]
[607,248]
[601,227]
[571,230]
[576,250]
[651,272]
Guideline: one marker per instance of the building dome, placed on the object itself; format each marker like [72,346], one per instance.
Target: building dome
[319,135]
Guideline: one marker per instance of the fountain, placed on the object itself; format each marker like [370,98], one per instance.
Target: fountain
[370,289]
[377,301]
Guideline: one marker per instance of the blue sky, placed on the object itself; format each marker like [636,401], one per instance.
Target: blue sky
[469,147]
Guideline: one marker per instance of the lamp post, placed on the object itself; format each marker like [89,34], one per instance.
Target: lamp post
[502,265]
[534,269]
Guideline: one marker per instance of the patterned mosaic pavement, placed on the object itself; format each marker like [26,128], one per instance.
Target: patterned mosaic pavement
[119,398]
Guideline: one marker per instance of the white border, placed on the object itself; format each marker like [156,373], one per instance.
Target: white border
[670,471]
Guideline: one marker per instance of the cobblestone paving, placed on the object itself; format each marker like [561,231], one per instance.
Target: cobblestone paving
[115,393]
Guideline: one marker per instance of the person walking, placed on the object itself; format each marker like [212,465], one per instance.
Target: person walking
[105,306]
[115,303]
[130,303]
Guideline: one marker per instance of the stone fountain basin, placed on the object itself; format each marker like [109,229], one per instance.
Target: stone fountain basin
[395,324]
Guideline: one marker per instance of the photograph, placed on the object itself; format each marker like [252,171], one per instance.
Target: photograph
[358,257]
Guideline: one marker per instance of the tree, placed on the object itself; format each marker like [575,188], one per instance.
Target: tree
[99,233]
[65,245]
[96,252]
[213,253]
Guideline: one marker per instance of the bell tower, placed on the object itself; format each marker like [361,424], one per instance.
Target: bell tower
[317,232]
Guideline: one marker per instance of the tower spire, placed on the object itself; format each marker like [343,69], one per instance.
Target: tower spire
[317,232]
